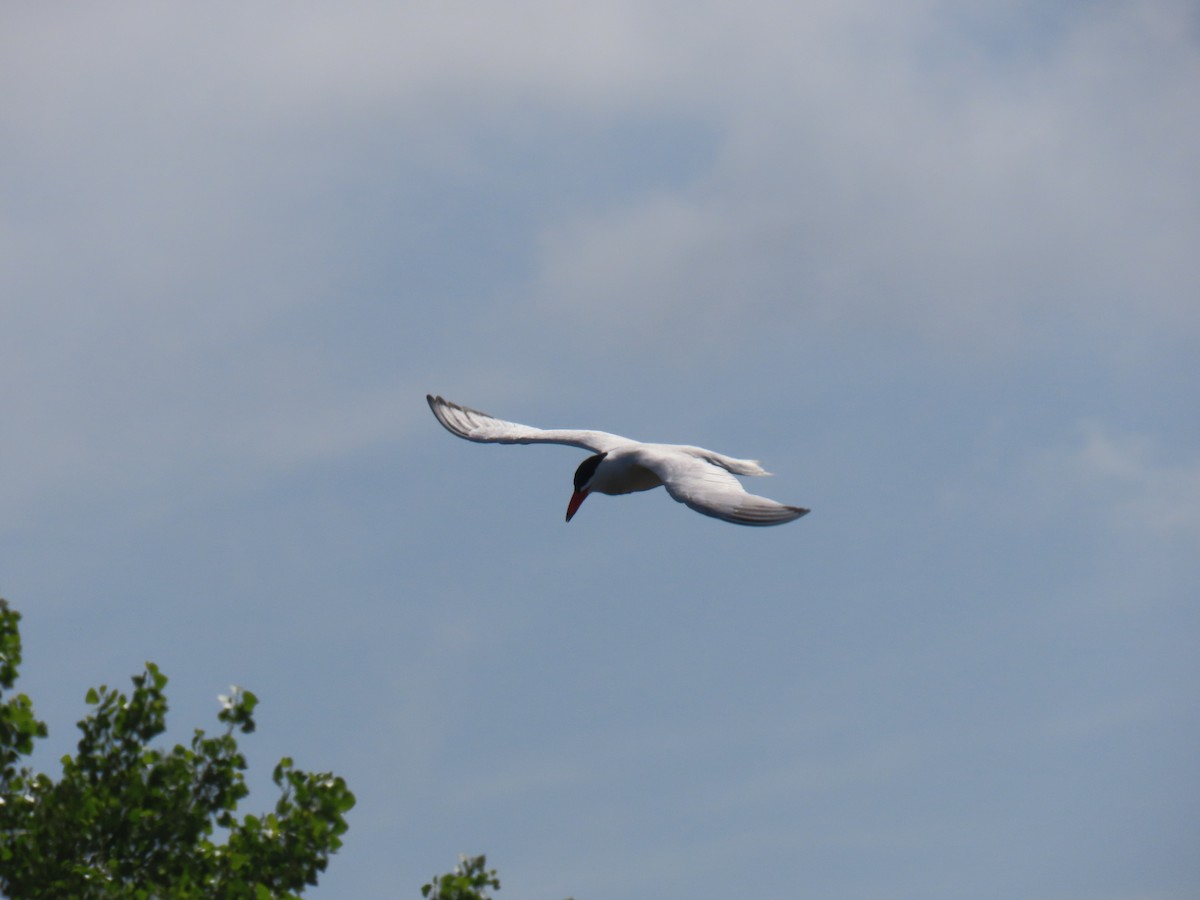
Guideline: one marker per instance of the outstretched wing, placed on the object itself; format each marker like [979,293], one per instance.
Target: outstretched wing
[479,426]
[713,491]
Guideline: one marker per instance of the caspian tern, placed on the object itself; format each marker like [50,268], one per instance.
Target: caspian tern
[694,476]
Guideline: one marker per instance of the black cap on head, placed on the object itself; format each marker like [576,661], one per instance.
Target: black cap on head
[587,469]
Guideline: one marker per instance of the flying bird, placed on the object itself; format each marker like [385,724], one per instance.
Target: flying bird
[694,476]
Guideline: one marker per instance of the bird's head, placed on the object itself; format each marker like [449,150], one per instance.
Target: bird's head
[583,482]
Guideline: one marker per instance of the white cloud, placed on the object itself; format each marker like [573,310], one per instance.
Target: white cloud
[964,178]
[978,200]
[1142,491]
[1094,476]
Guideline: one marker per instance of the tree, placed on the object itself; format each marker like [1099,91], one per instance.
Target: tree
[469,881]
[129,820]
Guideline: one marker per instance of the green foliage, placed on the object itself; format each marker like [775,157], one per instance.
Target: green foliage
[18,726]
[129,820]
[469,881]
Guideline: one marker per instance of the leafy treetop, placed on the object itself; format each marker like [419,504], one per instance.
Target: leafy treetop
[128,820]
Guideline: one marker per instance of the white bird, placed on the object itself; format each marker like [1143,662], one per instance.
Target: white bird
[694,476]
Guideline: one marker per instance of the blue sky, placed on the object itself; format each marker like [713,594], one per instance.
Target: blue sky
[937,269]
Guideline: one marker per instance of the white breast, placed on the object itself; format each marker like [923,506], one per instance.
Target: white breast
[621,473]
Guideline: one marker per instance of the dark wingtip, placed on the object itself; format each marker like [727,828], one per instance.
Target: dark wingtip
[438,406]
[435,405]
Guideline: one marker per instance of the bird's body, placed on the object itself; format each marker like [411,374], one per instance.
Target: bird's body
[622,472]
[699,478]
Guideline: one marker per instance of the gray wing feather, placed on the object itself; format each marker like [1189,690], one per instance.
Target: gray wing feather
[474,425]
[712,491]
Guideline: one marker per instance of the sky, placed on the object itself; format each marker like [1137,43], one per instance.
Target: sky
[934,264]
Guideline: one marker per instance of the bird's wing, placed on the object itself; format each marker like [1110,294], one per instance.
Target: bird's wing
[712,490]
[478,426]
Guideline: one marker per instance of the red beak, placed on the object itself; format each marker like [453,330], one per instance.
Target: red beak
[577,499]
